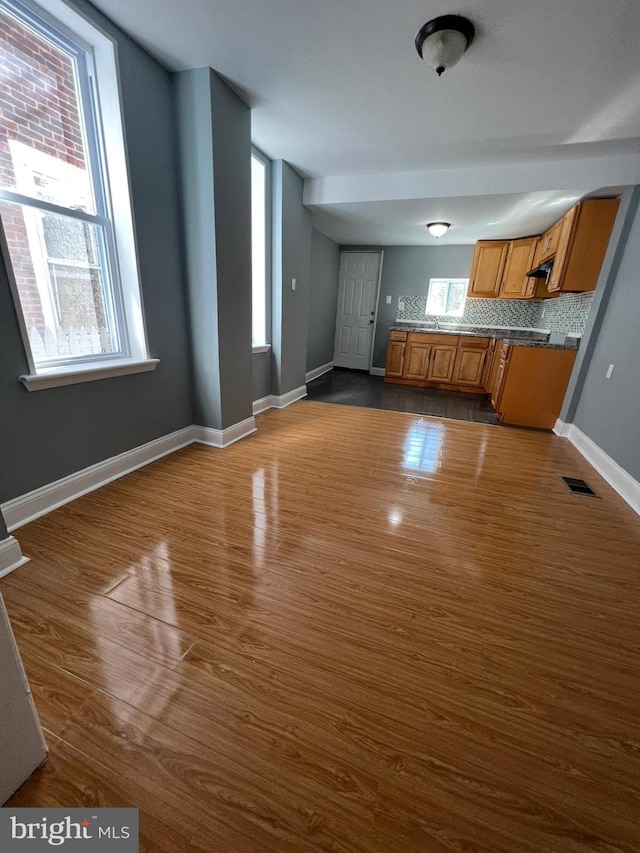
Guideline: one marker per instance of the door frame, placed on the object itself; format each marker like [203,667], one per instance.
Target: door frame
[363,251]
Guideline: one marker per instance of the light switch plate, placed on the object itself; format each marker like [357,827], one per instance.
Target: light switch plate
[610,370]
[388,300]
[293,284]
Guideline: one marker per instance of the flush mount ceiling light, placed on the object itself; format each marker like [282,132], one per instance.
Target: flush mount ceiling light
[442,41]
[437,229]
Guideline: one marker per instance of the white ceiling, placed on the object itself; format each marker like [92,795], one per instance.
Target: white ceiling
[337,89]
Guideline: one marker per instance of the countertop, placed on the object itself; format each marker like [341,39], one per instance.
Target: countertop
[519,337]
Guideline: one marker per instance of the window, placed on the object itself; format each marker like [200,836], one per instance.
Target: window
[74,273]
[260,249]
[447,296]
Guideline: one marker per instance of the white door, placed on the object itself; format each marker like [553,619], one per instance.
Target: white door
[357,300]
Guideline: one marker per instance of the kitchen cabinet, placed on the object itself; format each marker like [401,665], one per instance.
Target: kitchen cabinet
[416,361]
[395,354]
[530,385]
[582,245]
[577,243]
[470,361]
[548,243]
[442,363]
[486,270]
[520,256]
[437,360]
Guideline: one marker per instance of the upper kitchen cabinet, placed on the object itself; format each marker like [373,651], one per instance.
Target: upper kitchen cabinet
[487,268]
[582,244]
[519,261]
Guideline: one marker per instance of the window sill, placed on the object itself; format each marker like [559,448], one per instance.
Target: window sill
[263,348]
[54,377]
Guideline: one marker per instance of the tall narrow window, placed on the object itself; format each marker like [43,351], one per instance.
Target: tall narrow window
[56,201]
[260,248]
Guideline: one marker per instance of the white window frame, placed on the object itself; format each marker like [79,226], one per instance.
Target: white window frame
[265,346]
[463,281]
[113,182]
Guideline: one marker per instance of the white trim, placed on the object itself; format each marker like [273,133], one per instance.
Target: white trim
[561,429]
[377,371]
[54,377]
[619,479]
[275,401]
[222,438]
[10,556]
[318,371]
[39,502]
[263,404]
[261,348]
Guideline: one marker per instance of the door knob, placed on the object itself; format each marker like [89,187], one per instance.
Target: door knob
[370,322]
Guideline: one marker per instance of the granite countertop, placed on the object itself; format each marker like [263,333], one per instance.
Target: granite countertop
[538,338]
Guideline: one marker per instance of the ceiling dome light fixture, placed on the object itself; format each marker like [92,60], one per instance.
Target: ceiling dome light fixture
[438,229]
[443,41]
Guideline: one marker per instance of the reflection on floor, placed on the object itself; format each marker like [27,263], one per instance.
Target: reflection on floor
[356,631]
[356,388]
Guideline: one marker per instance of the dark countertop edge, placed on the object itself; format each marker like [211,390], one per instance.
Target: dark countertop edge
[507,335]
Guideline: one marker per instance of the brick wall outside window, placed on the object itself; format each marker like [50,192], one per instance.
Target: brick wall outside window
[39,108]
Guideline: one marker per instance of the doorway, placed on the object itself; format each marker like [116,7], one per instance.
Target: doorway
[357,307]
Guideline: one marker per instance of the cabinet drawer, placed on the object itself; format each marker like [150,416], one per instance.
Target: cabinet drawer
[397,336]
[426,338]
[479,343]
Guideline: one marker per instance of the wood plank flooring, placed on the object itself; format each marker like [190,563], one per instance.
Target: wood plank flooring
[355,630]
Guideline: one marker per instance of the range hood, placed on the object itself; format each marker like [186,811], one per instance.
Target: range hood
[542,271]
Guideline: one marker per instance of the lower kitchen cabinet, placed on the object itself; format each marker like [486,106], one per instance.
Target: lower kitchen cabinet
[416,361]
[395,356]
[442,364]
[530,385]
[469,367]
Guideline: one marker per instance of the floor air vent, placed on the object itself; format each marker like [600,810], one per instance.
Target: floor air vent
[579,487]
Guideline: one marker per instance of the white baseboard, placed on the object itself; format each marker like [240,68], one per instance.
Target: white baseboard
[39,502]
[620,480]
[562,429]
[224,437]
[275,401]
[377,371]
[318,371]
[10,556]
[263,404]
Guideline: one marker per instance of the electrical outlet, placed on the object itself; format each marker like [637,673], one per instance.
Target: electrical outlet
[293,284]
[400,306]
[388,300]
[610,370]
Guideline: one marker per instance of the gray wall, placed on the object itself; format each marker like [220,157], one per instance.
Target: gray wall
[323,299]
[291,224]
[406,270]
[45,435]
[261,375]
[214,131]
[608,410]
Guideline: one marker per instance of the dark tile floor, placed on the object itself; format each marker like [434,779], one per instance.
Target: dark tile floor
[356,388]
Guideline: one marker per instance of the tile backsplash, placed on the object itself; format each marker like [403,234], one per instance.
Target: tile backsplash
[479,312]
[568,313]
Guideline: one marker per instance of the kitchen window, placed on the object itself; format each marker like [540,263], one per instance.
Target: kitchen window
[447,296]
[260,249]
[67,225]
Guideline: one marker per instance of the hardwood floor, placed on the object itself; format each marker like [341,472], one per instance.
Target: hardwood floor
[355,630]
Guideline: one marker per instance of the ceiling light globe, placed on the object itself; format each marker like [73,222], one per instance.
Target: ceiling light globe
[438,229]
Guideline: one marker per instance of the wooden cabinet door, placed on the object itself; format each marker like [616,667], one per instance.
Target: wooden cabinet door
[395,358]
[486,271]
[564,242]
[519,262]
[416,361]
[469,366]
[549,242]
[441,363]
